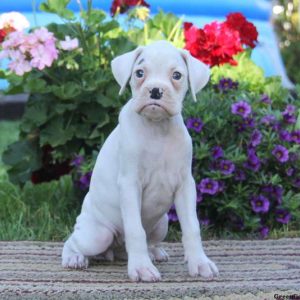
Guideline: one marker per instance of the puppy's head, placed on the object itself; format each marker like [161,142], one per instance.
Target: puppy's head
[159,76]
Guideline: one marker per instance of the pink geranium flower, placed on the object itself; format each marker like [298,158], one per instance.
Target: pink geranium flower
[27,51]
[69,44]
[19,64]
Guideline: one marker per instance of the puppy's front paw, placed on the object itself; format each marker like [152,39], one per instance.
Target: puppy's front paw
[158,254]
[203,266]
[142,269]
[75,261]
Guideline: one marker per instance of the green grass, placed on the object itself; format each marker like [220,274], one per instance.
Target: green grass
[36,212]
[41,212]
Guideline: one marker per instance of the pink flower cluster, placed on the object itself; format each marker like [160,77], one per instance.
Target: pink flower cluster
[27,51]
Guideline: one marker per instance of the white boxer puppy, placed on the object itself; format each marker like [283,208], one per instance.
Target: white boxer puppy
[143,168]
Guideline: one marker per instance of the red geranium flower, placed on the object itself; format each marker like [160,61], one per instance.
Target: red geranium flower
[247,31]
[2,35]
[125,5]
[215,44]
[4,32]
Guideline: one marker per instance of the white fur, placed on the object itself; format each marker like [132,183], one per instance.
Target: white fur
[143,168]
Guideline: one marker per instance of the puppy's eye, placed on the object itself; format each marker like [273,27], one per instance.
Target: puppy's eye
[177,75]
[139,73]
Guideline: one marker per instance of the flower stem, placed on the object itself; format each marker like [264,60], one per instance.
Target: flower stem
[175,30]
[146,34]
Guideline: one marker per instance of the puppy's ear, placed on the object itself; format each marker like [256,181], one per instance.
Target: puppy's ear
[122,67]
[198,73]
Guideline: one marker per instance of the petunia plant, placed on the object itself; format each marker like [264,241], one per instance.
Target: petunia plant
[246,158]
[245,127]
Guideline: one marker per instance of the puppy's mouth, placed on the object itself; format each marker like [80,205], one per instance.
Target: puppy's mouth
[153,105]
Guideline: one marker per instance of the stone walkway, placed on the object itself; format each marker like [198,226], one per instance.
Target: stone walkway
[248,270]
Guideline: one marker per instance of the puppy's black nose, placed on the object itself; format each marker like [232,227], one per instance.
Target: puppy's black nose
[156,94]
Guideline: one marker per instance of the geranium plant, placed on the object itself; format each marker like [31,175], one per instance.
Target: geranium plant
[245,127]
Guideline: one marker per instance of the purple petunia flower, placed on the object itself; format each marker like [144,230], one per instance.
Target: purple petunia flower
[226,84]
[281,153]
[222,186]
[199,198]
[295,136]
[204,221]
[282,216]
[241,108]
[296,183]
[227,167]
[289,119]
[294,157]
[253,162]
[265,99]
[172,214]
[278,193]
[240,175]
[277,126]
[268,120]
[285,135]
[245,124]
[273,191]
[260,204]
[290,171]
[208,186]
[264,231]
[217,152]
[255,138]
[194,123]
[84,181]
[77,161]
[290,109]
[237,222]
[248,123]
[289,114]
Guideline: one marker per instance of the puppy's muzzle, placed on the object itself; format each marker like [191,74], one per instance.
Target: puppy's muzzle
[156,93]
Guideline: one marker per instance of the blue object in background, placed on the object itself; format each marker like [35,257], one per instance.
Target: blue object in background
[199,12]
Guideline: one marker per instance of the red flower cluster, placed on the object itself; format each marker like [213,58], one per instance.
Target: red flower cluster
[124,5]
[4,32]
[247,31]
[2,35]
[217,43]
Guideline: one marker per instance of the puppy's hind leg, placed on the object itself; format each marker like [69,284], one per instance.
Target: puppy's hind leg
[157,235]
[88,239]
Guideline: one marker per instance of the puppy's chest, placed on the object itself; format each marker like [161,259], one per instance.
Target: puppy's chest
[160,174]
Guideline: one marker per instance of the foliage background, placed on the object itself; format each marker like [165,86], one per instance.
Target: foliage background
[73,106]
[287,24]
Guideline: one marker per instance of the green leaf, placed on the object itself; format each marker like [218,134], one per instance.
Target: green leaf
[67,91]
[94,113]
[94,17]
[56,133]
[36,85]
[23,157]
[60,108]
[58,7]
[106,101]
[92,81]
[35,115]
[297,125]
[2,74]
[121,45]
